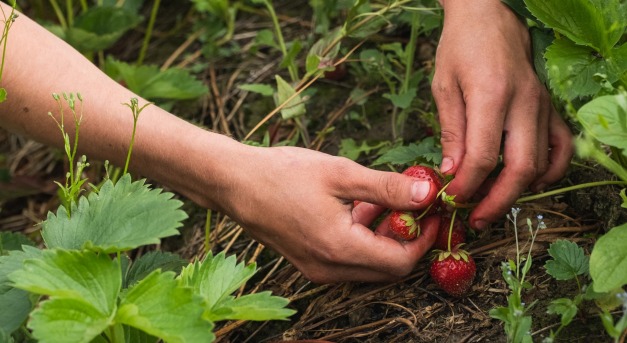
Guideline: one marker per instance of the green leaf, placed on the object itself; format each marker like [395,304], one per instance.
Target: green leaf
[13,241]
[120,217]
[263,89]
[623,196]
[134,335]
[541,40]
[564,307]
[568,260]
[99,28]
[20,306]
[350,149]
[217,277]
[596,23]
[608,261]
[423,152]
[572,69]
[80,275]
[159,306]
[3,95]
[295,107]
[67,320]
[258,306]
[152,83]
[402,100]
[150,262]
[13,262]
[605,119]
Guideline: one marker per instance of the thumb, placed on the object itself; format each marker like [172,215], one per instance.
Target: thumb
[389,189]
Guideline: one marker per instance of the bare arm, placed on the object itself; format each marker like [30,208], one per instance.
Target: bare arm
[294,200]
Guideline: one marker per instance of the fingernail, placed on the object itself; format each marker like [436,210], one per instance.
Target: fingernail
[480,224]
[447,164]
[420,190]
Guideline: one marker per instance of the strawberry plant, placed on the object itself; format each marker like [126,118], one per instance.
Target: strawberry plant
[83,286]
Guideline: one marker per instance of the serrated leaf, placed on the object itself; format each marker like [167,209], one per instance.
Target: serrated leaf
[423,152]
[563,307]
[596,23]
[13,241]
[159,306]
[20,306]
[568,260]
[119,217]
[402,100]
[572,69]
[608,261]
[150,262]
[258,306]
[541,40]
[152,83]
[295,107]
[13,262]
[605,119]
[260,88]
[81,275]
[216,277]
[98,28]
[67,320]
[350,149]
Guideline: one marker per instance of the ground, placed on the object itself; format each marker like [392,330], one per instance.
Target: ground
[410,310]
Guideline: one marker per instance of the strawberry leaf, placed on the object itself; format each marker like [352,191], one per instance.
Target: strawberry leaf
[424,152]
[608,261]
[151,261]
[568,260]
[564,307]
[82,275]
[160,306]
[18,301]
[135,215]
[605,119]
[217,277]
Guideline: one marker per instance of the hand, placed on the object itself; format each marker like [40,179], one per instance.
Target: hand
[299,202]
[488,95]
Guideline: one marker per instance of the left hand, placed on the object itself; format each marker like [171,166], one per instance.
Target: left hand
[488,96]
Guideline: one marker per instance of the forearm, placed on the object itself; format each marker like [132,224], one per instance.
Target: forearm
[167,148]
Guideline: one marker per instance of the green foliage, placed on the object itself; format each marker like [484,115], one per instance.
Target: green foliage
[13,241]
[608,261]
[568,260]
[152,83]
[350,149]
[151,261]
[605,119]
[97,28]
[423,152]
[293,105]
[135,215]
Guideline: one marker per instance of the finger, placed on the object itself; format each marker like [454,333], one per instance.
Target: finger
[387,189]
[452,116]
[373,257]
[562,150]
[520,157]
[485,120]
[365,213]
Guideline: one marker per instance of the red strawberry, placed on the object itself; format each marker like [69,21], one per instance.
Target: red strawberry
[427,173]
[453,272]
[403,224]
[458,235]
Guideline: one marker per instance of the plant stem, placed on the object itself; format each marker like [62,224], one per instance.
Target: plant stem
[5,37]
[568,189]
[59,13]
[208,232]
[69,8]
[279,35]
[151,24]
[450,228]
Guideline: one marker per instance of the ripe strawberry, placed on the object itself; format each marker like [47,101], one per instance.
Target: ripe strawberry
[403,224]
[453,272]
[427,173]
[458,235]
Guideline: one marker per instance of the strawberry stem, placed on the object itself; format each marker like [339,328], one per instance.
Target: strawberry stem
[431,205]
[450,228]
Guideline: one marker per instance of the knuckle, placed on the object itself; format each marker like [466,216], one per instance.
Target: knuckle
[485,162]
[448,136]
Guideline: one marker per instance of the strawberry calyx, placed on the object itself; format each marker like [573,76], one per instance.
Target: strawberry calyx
[456,253]
[410,222]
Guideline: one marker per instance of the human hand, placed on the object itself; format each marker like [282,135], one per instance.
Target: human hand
[300,203]
[489,96]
